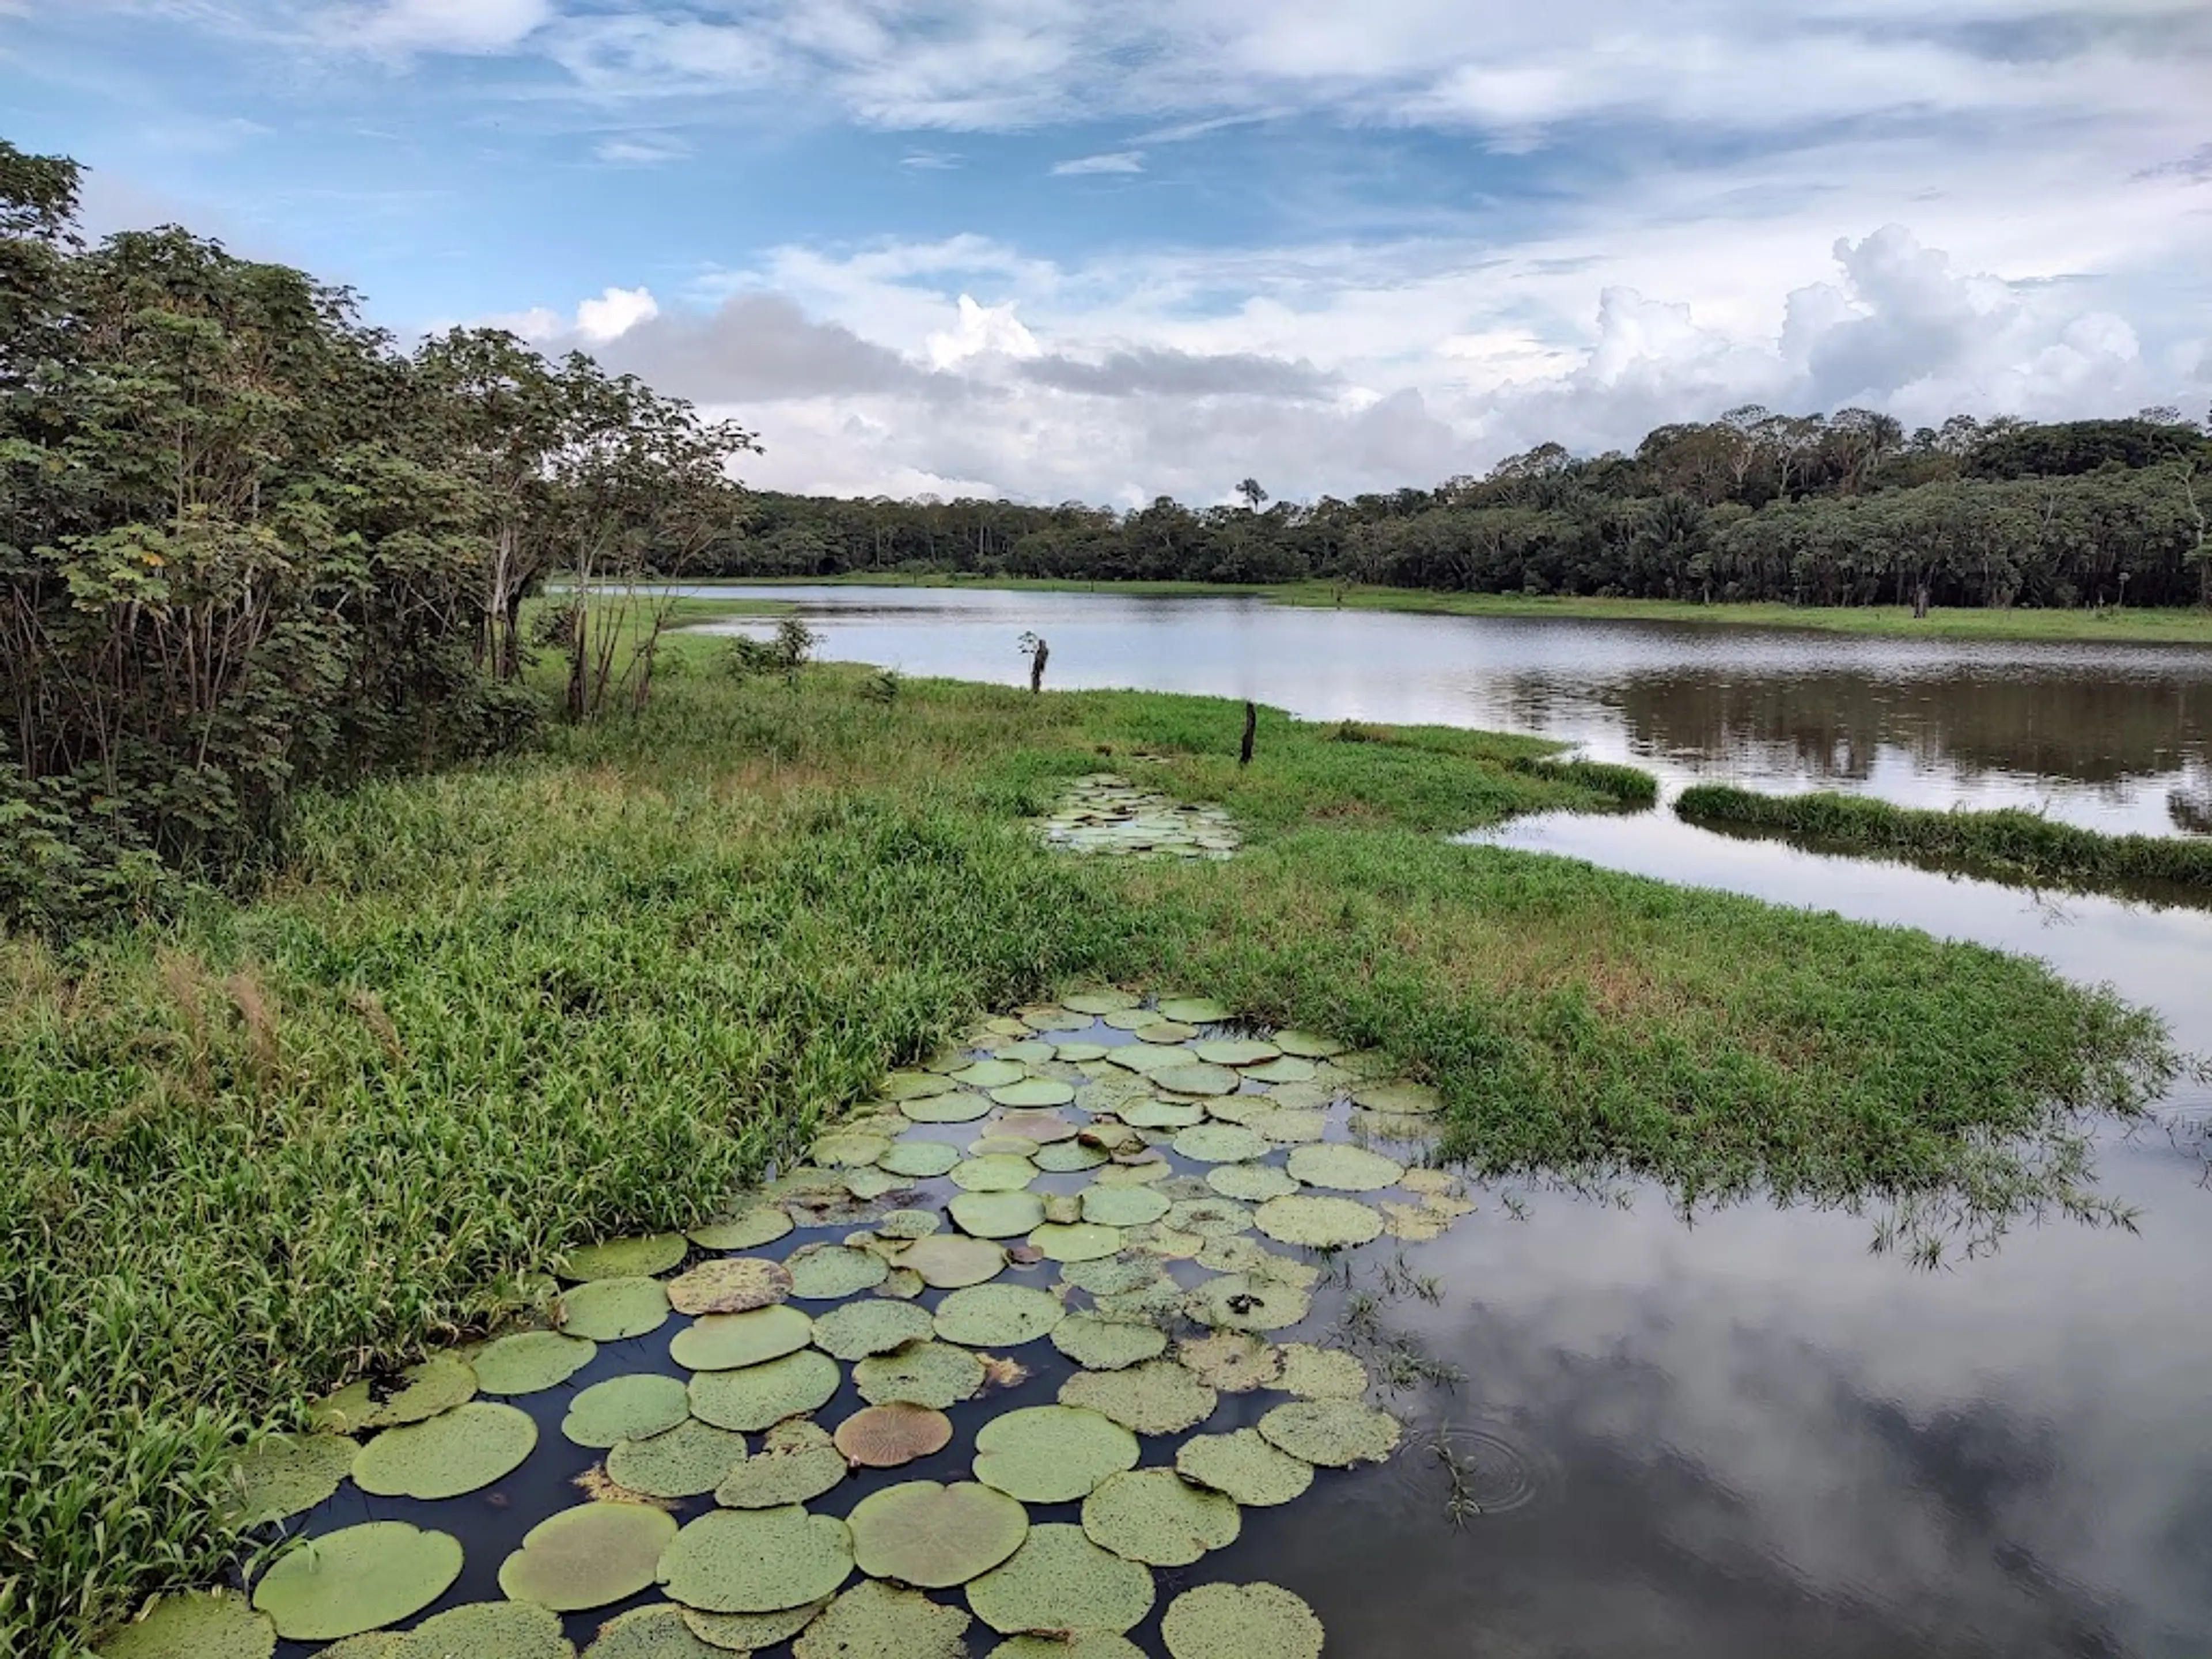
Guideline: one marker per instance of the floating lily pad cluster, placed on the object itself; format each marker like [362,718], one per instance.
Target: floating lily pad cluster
[1105,813]
[1136,1189]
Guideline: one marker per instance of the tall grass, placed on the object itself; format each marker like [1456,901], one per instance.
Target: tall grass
[486,1015]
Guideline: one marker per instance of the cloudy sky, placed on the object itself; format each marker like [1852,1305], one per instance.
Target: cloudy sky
[1113,250]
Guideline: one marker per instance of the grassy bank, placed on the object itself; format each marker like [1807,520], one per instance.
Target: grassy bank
[490,1014]
[2136,627]
[2011,842]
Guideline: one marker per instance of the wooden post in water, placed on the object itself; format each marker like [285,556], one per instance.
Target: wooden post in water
[1038,652]
[1251,724]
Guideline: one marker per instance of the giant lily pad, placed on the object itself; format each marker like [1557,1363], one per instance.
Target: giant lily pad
[590,1556]
[1149,1058]
[1099,1344]
[935,1536]
[728,1342]
[1249,1302]
[1239,1052]
[286,1476]
[1233,1361]
[1156,1397]
[757,1560]
[610,1309]
[961,1106]
[1345,1169]
[626,1258]
[829,1272]
[1059,1580]
[1033,1093]
[996,1214]
[468,1447]
[1131,1019]
[1195,1011]
[357,1579]
[495,1629]
[1155,1517]
[635,1406]
[218,1624]
[1051,1453]
[885,1437]
[904,1086]
[1313,1373]
[747,1231]
[1030,1050]
[1122,1207]
[691,1458]
[1043,1129]
[1250,1183]
[948,1262]
[1322,1222]
[998,1315]
[1054,1019]
[1414,1099]
[1308,1045]
[1167,1031]
[1241,1621]
[742,1632]
[858,1329]
[1220,1143]
[1334,1433]
[919,1160]
[1282,1069]
[1074,1644]
[1103,1001]
[849,1149]
[438,1384]
[1285,1126]
[1209,1218]
[797,1463]
[650,1632]
[758,1395]
[1149,1113]
[1076,1241]
[1068,1157]
[1196,1079]
[729,1285]
[1245,1466]
[992,1073]
[1105,1277]
[876,1621]
[933,1373]
[530,1362]
[994,1172]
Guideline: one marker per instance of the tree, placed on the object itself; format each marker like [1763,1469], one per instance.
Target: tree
[1253,497]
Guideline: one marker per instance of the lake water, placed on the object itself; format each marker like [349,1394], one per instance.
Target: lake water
[1746,1434]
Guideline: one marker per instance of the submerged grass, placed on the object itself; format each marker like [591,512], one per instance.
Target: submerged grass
[483,1016]
[2011,842]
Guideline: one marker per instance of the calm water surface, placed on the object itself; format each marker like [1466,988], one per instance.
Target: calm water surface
[1744,1434]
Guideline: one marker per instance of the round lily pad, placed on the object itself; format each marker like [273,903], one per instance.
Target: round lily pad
[747,1231]
[1413,1222]
[590,1556]
[650,1632]
[1334,1433]
[1220,1143]
[1308,1045]
[757,1560]
[1233,1361]
[742,1632]
[1076,1644]
[1413,1099]
[635,1406]
[1149,1113]
[1031,1093]
[919,1160]
[1250,1183]
[1054,1019]
[1103,1001]
[1100,1344]
[758,1395]
[1076,1241]
[683,1461]
[903,1087]
[948,1262]
[1131,1019]
[1282,1069]
[796,1462]
[1013,1145]
[197,1624]
[1068,1157]
[1245,1466]
[1104,1277]
[994,1172]
[1195,1011]
[961,1106]
[885,1437]
[857,1329]
[1314,1373]
[369,1644]
[468,1447]
[996,1214]
[1079,1053]
[991,1074]
[1249,1302]
[729,1285]
[1123,1206]
[935,1536]
[998,1315]
[357,1579]
[903,1227]
[933,1373]
[848,1149]
[728,1342]
[1031,1050]
[1321,1223]
[530,1362]
[1239,1052]
[1051,1453]
[438,1384]
[1167,1031]
[1150,1058]
[285,1475]
[1042,1128]
[1196,1079]
[1210,1217]
[1155,1517]
[1285,1126]
[1345,1169]
[902,1284]
[1156,1397]
[626,1258]
[1241,1621]
[509,1630]
[610,1309]
[827,1272]
[1060,1580]
[876,1621]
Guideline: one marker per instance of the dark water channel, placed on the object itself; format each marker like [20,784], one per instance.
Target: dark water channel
[1746,1435]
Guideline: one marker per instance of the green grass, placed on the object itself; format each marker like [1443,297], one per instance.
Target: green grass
[2014,842]
[2183,627]
[490,1014]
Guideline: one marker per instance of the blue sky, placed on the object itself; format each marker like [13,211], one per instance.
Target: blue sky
[1112,251]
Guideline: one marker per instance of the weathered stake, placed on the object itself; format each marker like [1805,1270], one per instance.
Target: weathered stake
[1251,724]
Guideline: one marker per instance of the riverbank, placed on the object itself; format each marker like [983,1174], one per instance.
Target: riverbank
[2108,625]
[485,1015]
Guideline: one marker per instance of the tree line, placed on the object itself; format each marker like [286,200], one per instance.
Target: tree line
[1819,510]
[247,543]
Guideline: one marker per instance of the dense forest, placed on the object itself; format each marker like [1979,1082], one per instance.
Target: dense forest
[1819,510]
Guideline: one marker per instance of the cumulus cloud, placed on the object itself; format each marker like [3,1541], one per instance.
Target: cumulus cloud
[1156,372]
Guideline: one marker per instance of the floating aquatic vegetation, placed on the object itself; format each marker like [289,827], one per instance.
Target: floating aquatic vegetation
[625,1258]
[1048,1017]
[1051,1453]
[1244,1466]
[633,1407]
[286,1474]
[197,1624]
[998,1074]
[1210,1217]
[1333,1433]
[1105,1277]
[796,1462]
[729,1341]
[1282,1069]
[1156,1516]
[1241,1621]
[1196,1079]
[493,1630]
[1077,1053]
[1105,1000]
[1344,1169]
[903,1086]
[1028,1050]
[1122,1207]
[1250,1183]
[948,1262]
[1156,1397]
[996,1214]
[1076,1241]
[1041,1127]
[849,1149]
[1151,1113]
[998,1315]
[824,1273]
[530,1362]
[876,1621]
[591,1556]
[905,1226]
[468,1447]
[918,1160]
[1059,1580]
[1148,1057]
[1412,1099]
[1195,1011]
[651,1632]
[1220,1143]
[933,1373]
[858,1329]
[1068,1157]
[757,1560]
[1236,1051]
[1033,1093]
[610,1309]
[1315,1373]
[1285,1125]
[1321,1223]
[935,1536]
[1167,1030]
[752,1399]
[357,1579]
[742,1632]
[994,1172]
[956,1106]
[683,1462]
[1249,1302]
[1308,1045]
[1233,1361]
[438,1384]
[1100,1344]
[1070,1644]
[885,1437]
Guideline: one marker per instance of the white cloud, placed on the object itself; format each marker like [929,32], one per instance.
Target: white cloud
[458,25]
[641,149]
[614,312]
[980,331]
[1120,161]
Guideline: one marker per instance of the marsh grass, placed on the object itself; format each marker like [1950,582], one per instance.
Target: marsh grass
[479,1017]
